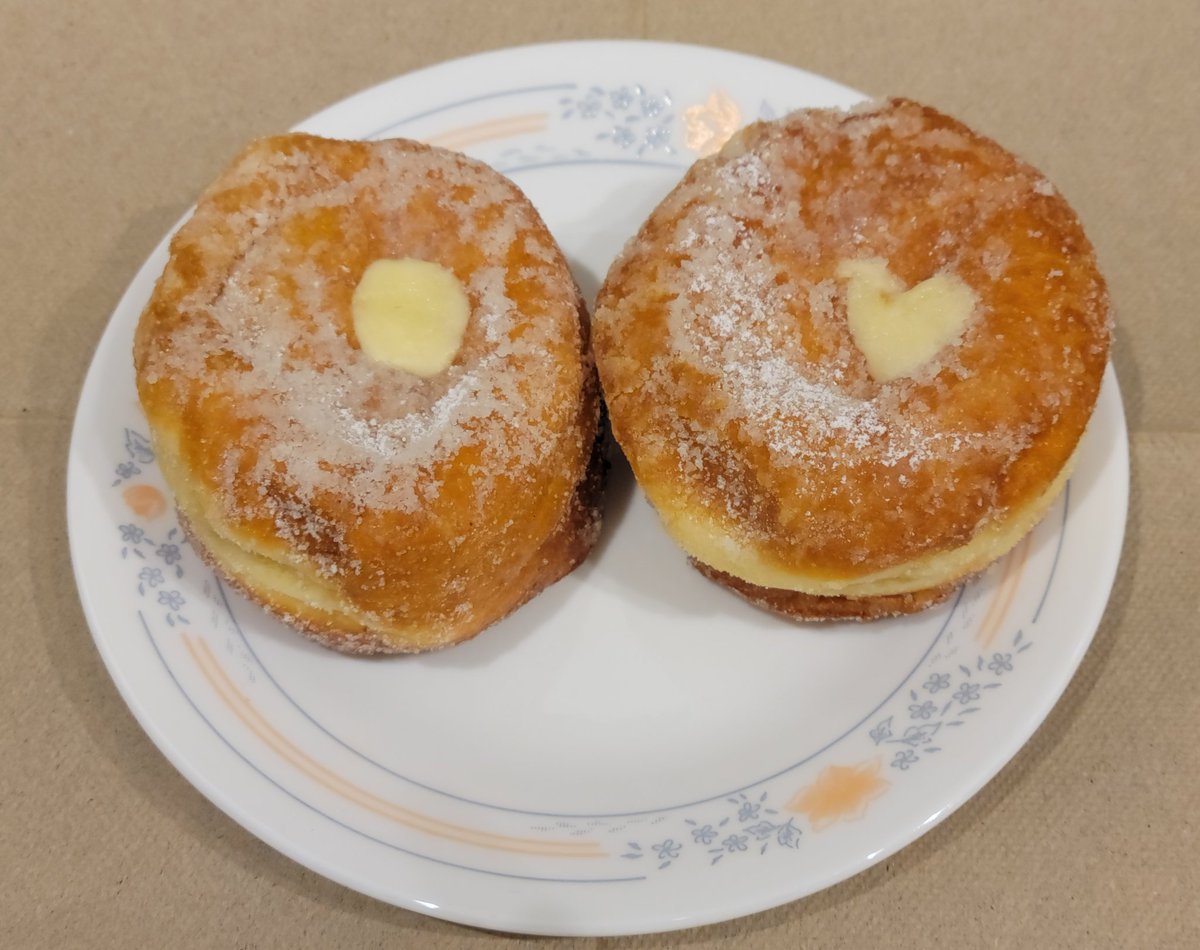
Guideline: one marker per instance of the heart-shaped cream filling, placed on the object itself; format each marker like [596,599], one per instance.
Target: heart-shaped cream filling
[899,330]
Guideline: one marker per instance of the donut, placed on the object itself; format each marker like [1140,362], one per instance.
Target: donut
[850,357]
[377,505]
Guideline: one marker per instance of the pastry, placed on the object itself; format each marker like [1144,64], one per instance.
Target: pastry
[850,357]
[367,375]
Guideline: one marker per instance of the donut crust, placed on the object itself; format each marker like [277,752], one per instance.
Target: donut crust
[373,510]
[750,417]
[798,606]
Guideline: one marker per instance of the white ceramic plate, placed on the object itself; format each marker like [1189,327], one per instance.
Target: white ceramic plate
[635,750]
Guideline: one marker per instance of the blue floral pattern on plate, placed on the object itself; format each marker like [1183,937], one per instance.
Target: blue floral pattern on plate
[925,718]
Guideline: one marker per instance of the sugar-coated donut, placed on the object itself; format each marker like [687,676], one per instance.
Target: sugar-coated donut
[850,357]
[377,510]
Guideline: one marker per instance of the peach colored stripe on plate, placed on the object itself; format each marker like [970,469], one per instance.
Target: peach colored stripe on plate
[492,129]
[1014,567]
[840,793]
[241,707]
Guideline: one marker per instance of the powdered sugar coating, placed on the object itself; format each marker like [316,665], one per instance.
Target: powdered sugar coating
[400,493]
[736,389]
[323,411]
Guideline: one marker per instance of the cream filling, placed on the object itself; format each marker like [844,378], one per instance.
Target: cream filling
[410,314]
[899,330]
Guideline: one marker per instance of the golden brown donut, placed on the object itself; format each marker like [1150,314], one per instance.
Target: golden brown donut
[785,462]
[376,510]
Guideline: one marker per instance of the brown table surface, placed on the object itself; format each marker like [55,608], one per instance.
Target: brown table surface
[116,114]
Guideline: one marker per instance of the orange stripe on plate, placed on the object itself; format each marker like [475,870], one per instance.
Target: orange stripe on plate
[241,707]
[494,129]
[1014,567]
